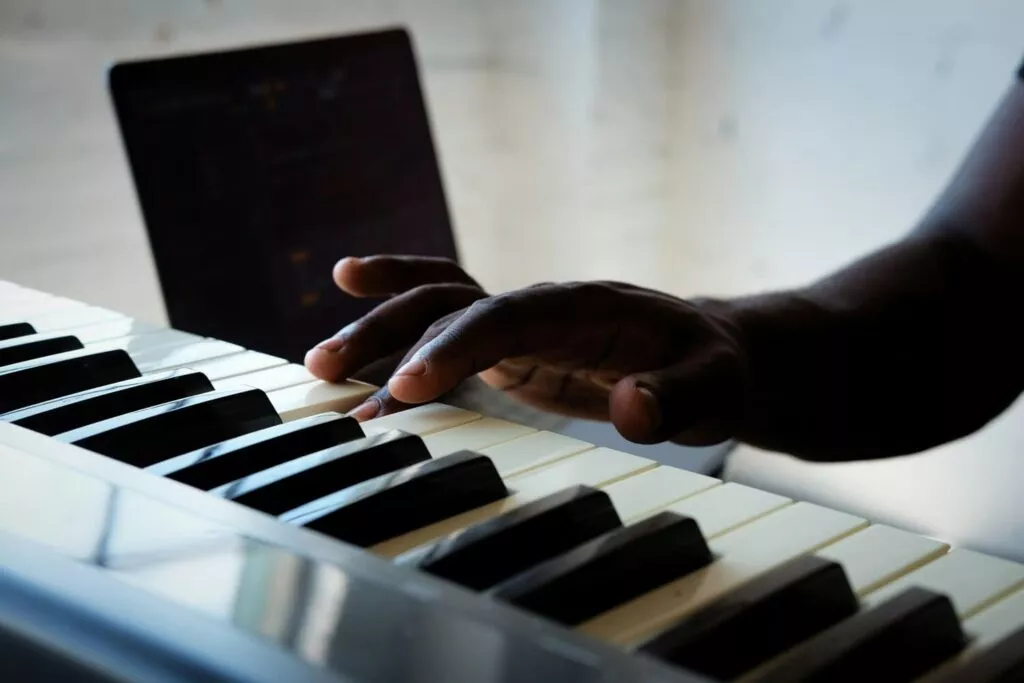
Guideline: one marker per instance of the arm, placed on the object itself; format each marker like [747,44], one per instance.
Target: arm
[915,345]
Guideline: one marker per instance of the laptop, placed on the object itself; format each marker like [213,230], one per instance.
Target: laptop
[257,168]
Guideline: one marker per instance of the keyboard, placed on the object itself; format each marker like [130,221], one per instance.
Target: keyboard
[181,508]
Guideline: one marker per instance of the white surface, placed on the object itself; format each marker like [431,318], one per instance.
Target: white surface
[474,436]
[422,420]
[317,397]
[880,554]
[531,451]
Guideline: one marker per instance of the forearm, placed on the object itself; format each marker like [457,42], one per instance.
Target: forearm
[915,345]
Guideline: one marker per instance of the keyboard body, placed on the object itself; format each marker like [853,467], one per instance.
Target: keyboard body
[113,573]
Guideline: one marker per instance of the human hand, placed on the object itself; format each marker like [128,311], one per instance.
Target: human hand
[656,366]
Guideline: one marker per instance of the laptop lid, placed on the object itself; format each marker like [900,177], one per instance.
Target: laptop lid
[256,169]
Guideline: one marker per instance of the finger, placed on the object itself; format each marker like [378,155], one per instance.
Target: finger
[380,276]
[697,401]
[489,331]
[391,327]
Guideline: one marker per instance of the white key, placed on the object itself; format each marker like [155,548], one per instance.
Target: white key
[744,553]
[33,307]
[474,436]
[236,364]
[970,579]
[281,377]
[723,508]
[144,345]
[169,358]
[116,329]
[77,316]
[649,492]
[984,630]
[880,554]
[532,451]
[596,467]
[318,397]
[423,420]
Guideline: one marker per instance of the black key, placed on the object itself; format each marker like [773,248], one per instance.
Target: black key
[21,349]
[94,405]
[896,642]
[311,477]
[12,330]
[153,434]
[394,504]
[759,620]
[487,553]
[1002,663]
[610,570]
[230,460]
[43,379]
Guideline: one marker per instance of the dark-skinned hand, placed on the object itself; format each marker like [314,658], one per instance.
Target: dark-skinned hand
[656,366]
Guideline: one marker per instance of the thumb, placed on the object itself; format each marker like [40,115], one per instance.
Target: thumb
[696,401]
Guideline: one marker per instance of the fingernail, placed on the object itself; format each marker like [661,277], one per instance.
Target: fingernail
[413,368]
[332,345]
[366,411]
[651,406]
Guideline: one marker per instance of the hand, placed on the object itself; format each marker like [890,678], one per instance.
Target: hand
[656,366]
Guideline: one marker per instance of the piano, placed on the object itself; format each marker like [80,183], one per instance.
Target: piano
[180,508]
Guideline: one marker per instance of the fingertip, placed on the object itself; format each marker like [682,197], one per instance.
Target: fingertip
[346,274]
[323,364]
[409,389]
[635,412]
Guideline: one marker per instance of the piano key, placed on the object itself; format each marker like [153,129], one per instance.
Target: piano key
[237,364]
[722,508]
[228,461]
[474,436]
[971,579]
[12,330]
[597,467]
[318,397]
[33,307]
[43,379]
[143,346]
[897,640]
[653,490]
[1003,663]
[880,554]
[122,327]
[609,570]
[743,554]
[72,317]
[294,483]
[423,420]
[20,349]
[995,653]
[168,358]
[497,549]
[150,435]
[408,499]
[533,451]
[94,405]
[280,377]
[768,616]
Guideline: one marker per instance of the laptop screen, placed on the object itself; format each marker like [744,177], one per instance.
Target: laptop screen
[257,169]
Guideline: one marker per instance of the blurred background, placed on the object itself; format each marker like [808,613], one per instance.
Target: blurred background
[709,147]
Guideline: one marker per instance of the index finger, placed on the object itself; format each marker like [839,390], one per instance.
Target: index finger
[386,275]
[489,331]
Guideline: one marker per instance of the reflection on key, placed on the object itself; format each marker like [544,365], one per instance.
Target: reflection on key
[148,436]
[768,616]
[397,503]
[154,360]
[227,461]
[292,484]
[94,405]
[497,549]
[898,640]
[42,379]
[609,570]
[25,348]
